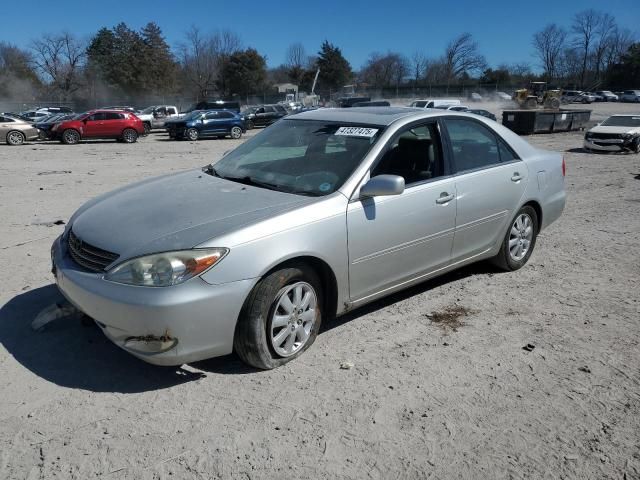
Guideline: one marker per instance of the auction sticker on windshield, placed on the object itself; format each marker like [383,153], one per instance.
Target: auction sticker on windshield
[356,132]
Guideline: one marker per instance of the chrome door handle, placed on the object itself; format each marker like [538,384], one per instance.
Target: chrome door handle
[444,198]
[516,177]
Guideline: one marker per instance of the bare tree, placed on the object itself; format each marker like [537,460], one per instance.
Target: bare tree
[295,60]
[384,70]
[199,61]
[605,31]
[203,58]
[418,66]
[59,59]
[462,56]
[584,27]
[619,43]
[548,45]
[296,56]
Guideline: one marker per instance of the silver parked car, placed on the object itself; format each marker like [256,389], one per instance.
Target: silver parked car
[320,213]
[15,131]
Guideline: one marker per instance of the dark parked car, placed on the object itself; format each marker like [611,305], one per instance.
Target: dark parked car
[375,103]
[346,102]
[215,105]
[116,124]
[263,115]
[207,123]
[46,125]
[484,113]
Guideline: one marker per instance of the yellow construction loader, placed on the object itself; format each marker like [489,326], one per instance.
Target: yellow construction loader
[538,94]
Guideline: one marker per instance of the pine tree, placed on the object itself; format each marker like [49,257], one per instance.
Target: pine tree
[335,70]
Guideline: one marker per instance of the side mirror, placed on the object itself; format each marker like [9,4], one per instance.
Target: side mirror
[382,185]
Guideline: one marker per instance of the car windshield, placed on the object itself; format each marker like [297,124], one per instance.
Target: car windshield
[622,121]
[299,156]
[249,110]
[79,116]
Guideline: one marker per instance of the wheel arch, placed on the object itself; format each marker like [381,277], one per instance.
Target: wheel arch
[6,137]
[538,208]
[326,274]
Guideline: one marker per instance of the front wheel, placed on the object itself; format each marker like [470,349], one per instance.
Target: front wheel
[250,125]
[280,318]
[519,240]
[192,134]
[129,135]
[147,128]
[70,137]
[236,132]
[15,138]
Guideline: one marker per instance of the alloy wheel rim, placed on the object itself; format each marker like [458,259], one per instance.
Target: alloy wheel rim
[193,135]
[520,237]
[15,138]
[236,132]
[293,318]
[70,137]
[129,136]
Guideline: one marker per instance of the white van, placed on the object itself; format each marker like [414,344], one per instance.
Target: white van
[440,102]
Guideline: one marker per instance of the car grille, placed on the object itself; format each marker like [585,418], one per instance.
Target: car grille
[605,135]
[87,256]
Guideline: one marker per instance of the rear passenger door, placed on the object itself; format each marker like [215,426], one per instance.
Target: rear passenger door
[490,181]
[113,124]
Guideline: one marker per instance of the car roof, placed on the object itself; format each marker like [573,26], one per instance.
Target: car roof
[381,116]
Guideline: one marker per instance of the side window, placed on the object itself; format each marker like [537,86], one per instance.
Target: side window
[474,146]
[225,115]
[211,116]
[171,111]
[416,155]
[113,116]
[506,155]
[96,117]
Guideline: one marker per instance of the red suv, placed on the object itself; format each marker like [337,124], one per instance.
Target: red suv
[123,126]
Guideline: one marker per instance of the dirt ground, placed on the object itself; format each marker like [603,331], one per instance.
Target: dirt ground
[478,374]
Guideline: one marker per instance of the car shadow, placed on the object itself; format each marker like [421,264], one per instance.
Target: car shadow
[76,354]
[464,272]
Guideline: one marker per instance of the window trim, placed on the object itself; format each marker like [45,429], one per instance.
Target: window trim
[497,138]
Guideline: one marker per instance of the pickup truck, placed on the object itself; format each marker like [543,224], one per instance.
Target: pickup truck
[155,116]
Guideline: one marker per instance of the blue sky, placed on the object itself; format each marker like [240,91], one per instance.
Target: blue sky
[358,28]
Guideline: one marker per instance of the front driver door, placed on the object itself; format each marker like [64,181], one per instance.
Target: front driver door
[395,239]
[94,125]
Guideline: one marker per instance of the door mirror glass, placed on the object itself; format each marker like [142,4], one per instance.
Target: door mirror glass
[383,185]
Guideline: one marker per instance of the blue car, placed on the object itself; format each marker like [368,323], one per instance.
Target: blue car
[206,123]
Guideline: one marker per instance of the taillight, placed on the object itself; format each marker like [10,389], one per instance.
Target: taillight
[564,167]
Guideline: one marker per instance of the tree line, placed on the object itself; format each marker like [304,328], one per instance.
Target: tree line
[124,63]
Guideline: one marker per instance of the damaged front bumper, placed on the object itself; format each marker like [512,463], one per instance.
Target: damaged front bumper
[161,325]
[614,144]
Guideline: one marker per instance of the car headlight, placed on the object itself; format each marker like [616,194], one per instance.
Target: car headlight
[588,135]
[166,269]
[627,136]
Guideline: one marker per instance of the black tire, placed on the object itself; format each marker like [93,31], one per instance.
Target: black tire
[236,132]
[531,103]
[192,134]
[250,125]
[504,259]
[635,146]
[15,137]
[129,135]
[70,137]
[554,103]
[147,128]
[251,341]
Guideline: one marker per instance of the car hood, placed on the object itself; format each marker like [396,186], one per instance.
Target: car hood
[608,129]
[175,212]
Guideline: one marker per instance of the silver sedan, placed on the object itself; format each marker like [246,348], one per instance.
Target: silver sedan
[320,213]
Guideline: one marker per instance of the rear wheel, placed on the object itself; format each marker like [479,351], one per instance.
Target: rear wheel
[531,103]
[70,137]
[15,138]
[129,135]
[554,103]
[280,318]
[519,240]
[250,125]
[147,128]
[636,145]
[236,132]
[192,134]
